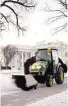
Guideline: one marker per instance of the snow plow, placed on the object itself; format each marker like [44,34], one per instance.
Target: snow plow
[42,68]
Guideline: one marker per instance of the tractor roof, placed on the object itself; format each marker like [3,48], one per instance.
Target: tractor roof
[48,48]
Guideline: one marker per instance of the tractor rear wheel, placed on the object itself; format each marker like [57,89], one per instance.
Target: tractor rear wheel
[49,80]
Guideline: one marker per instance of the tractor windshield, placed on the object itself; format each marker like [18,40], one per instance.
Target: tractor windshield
[43,55]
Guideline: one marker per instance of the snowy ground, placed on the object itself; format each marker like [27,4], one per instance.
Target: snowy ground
[6,83]
[59,99]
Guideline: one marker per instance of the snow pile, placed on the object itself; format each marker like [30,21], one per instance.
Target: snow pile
[7,84]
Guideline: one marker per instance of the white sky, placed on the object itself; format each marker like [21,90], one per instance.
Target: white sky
[37,30]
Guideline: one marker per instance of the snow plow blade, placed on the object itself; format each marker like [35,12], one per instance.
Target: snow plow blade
[25,82]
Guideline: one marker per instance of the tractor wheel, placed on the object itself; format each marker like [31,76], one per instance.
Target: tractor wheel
[60,76]
[49,80]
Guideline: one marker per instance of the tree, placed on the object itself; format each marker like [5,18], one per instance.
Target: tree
[60,11]
[15,14]
[9,52]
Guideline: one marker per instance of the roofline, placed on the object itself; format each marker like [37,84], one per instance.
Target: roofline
[46,49]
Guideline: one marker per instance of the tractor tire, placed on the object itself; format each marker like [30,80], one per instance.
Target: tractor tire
[60,76]
[49,81]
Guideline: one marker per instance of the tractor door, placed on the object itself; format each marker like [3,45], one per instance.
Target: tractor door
[54,60]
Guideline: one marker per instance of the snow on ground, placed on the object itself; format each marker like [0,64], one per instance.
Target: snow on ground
[6,82]
[7,85]
[59,99]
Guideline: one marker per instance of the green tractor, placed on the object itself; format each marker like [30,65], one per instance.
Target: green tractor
[43,67]
[47,66]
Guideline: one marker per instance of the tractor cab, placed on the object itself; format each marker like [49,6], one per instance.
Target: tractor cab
[46,61]
[43,55]
[48,54]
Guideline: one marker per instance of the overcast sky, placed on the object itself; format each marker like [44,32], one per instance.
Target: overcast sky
[37,30]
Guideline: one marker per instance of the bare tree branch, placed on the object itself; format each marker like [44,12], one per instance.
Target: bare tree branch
[60,28]
[49,10]
[64,3]
[9,52]
[62,14]
[53,19]
[3,16]
[16,4]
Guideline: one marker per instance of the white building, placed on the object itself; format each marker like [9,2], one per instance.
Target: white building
[17,62]
[1,57]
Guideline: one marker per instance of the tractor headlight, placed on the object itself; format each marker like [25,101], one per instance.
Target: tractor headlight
[38,67]
[35,67]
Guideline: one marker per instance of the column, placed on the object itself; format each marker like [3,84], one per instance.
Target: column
[22,62]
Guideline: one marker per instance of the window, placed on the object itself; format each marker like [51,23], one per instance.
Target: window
[43,55]
[55,56]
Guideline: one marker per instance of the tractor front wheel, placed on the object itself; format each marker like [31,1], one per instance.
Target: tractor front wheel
[60,76]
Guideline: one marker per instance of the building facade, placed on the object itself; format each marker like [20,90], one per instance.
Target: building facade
[17,62]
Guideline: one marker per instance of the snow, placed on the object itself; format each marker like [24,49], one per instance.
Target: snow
[5,80]
[7,85]
[59,99]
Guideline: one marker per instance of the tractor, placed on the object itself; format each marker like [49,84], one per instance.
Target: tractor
[46,67]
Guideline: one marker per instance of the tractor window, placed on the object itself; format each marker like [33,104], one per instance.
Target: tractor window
[43,55]
[55,56]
